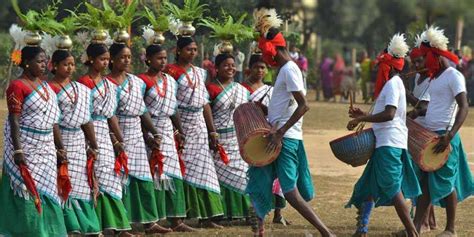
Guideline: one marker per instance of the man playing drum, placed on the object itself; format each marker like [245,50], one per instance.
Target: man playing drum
[419,98]
[389,176]
[453,182]
[285,111]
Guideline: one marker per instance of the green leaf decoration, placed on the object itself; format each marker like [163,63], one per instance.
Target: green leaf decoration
[190,11]
[228,29]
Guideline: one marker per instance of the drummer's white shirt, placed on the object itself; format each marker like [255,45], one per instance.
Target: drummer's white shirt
[282,103]
[443,90]
[392,133]
[420,91]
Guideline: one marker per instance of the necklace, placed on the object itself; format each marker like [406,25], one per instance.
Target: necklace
[97,88]
[33,85]
[162,92]
[190,82]
[72,99]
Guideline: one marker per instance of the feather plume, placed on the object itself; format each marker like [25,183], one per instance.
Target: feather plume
[418,41]
[18,36]
[49,44]
[174,25]
[265,19]
[148,34]
[436,38]
[397,46]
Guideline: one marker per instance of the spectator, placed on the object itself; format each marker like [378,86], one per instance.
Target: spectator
[239,65]
[208,65]
[302,63]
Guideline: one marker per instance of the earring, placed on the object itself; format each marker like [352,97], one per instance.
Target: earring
[111,61]
[148,61]
[27,66]
[91,62]
[55,68]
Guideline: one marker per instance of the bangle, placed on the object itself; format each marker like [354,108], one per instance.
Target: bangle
[156,135]
[214,134]
[19,151]
[116,142]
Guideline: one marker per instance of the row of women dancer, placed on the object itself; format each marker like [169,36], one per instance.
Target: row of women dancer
[115,124]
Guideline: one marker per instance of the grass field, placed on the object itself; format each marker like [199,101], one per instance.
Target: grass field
[334,180]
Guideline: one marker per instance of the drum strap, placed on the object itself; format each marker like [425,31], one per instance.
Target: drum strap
[264,95]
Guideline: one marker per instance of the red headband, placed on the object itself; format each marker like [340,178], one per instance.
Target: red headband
[385,63]
[416,53]
[268,47]
[432,59]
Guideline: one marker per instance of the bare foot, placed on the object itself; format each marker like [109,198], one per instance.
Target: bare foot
[211,225]
[157,229]
[281,220]
[125,234]
[182,227]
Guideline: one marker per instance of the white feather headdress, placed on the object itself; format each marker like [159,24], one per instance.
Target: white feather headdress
[265,19]
[418,41]
[148,34]
[18,36]
[48,44]
[398,46]
[436,38]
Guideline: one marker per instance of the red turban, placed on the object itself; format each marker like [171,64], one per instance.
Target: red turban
[432,58]
[268,48]
[385,63]
[416,53]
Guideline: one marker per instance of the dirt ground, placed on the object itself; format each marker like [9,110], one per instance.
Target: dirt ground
[334,180]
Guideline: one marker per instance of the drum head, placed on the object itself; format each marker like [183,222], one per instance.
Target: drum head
[431,161]
[253,150]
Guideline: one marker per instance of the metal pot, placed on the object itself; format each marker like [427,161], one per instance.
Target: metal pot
[99,36]
[226,47]
[64,42]
[187,29]
[32,38]
[158,38]
[121,36]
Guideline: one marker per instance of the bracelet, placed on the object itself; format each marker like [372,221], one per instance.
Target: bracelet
[214,134]
[156,135]
[94,150]
[117,142]
[19,151]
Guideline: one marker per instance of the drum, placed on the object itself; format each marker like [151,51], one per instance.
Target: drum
[354,149]
[420,145]
[251,126]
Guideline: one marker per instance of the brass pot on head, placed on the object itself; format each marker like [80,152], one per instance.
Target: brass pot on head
[32,38]
[226,47]
[187,29]
[99,36]
[158,38]
[121,36]
[64,42]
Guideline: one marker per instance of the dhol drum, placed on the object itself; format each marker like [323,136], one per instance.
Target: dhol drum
[251,127]
[356,148]
[420,145]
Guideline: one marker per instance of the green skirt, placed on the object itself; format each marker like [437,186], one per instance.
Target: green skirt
[454,175]
[111,213]
[170,203]
[236,205]
[201,203]
[19,217]
[80,217]
[140,202]
[388,172]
